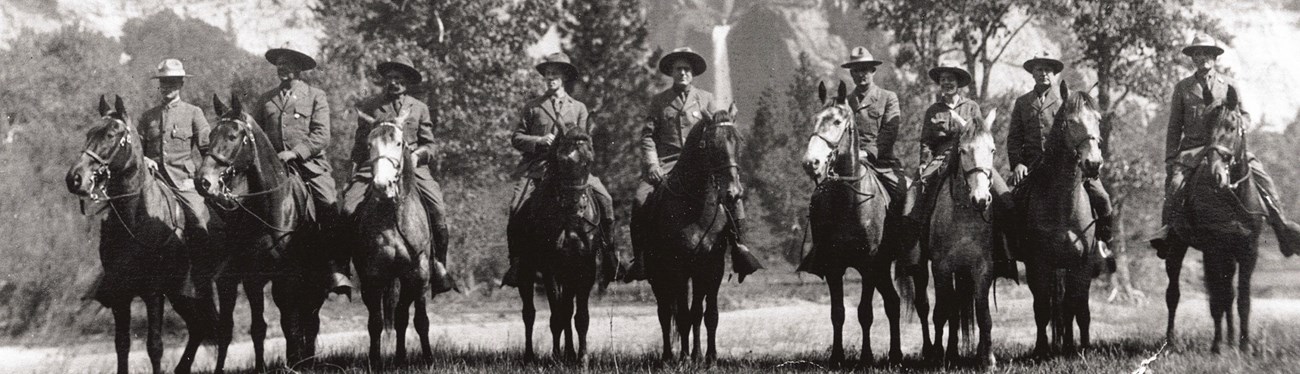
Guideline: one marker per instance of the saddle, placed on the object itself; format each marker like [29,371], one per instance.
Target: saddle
[1204,213]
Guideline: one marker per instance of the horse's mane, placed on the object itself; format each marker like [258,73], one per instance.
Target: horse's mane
[264,157]
[697,141]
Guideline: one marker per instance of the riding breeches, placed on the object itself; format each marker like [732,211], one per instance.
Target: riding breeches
[1177,172]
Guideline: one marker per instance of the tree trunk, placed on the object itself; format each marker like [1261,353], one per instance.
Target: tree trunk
[1121,281]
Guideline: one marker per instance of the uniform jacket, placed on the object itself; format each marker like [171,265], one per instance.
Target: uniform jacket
[298,121]
[939,132]
[1031,120]
[175,135]
[1188,127]
[418,128]
[539,117]
[671,118]
[877,118]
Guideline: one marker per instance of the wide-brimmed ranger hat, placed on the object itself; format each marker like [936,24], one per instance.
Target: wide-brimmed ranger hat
[402,65]
[171,68]
[861,57]
[298,59]
[694,59]
[1044,58]
[1203,43]
[558,59]
[963,77]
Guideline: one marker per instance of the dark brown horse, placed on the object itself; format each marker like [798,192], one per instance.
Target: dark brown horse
[142,246]
[559,224]
[847,216]
[395,242]
[269,227]
[682,230]
[1220,212]
[1059,224]
[961,243]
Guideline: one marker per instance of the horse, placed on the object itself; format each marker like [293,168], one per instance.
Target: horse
[1221,213]
[1059,224]
[961,243]
[560,225]
[683,230]
[267,213]
[847,215]
[142,245]
[395,241]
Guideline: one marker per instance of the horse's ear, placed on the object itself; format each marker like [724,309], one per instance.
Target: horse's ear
[120,107]
[219,106]
[103,106]
[842,92]
[821,92]
[1232,101]
[731,109]
[987,125]
[235,106]
[1065,91]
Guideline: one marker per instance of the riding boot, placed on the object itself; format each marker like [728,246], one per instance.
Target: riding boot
[1004,242]
[743,261]
[1104,232]
[1288,233]
[340,259]
[610,268]
[440,279]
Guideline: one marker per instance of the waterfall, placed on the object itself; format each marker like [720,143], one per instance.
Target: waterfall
[721,67]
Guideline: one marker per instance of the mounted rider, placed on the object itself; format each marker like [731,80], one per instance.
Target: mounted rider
[540,120]
[397,77]
[877,117]
[673,113]
[296,118]
[1190,130]
[1032,118]
[941,125]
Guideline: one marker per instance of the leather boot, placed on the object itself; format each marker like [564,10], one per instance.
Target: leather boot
[339,282]
[636,269]
[1105,228]
[440,279]
[743,261]
[511,278]
[1163,241]
[1004,240]
[609,253]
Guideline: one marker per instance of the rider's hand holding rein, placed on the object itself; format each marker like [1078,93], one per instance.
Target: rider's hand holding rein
[287,155]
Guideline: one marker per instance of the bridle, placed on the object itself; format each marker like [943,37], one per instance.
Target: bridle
[396,161]
[102,173]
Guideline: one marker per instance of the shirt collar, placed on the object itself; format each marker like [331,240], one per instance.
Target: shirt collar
[956,102]
[172,103]
[1208,75]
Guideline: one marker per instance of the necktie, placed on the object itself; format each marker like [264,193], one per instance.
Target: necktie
[1206,94]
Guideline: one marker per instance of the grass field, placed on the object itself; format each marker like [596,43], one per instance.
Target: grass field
[776,322]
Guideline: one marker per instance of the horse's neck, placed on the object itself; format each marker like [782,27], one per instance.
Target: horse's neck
[846,165]
[1063,184]
[129,178]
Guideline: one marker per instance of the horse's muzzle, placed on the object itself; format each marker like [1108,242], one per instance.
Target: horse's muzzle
[78,184]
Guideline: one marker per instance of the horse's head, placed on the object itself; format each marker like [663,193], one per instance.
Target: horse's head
[1227,138]
[387,148]
[830,125]
[1079,123]
[720,143]
[110,148]
[975,148]
[231,148]
[570,155]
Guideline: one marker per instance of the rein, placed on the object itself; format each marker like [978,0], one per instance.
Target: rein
[848,180]
[230,171]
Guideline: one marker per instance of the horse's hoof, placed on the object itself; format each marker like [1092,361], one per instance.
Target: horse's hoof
[667,356]
[895,357]
[1214,348]
[990,361]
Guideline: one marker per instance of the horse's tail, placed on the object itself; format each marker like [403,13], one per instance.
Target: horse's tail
[390,304]
[906,288]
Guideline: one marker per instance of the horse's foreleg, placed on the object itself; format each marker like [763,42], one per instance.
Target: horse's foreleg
[287,302]
[122,335]
[697,316]
[227,294]
[1173,269]
[568,301]
[154,345]
[985,321]
[310,321]
[402,316]
[1247,268]
[866,314]
[683,316]
[528,312]
[582,319]
[1080,282]
[197,325]
[1040,285]
[372,295]
[664,300]
[921,301]
[889,296]
[836,285]
[558,319]
[1219,270]
[422,322]
[255,292]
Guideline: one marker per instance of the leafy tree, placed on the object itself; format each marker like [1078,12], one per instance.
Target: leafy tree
[209,54]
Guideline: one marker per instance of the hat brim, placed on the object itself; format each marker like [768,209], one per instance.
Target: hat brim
[963,77]
[1191,50]
[697,62]
[1056,65]
[569,70]
[171,76]
[863,63]
[302,60]
[410,72]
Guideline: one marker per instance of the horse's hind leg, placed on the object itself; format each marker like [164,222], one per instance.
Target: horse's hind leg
[227,294]
[197,324]
[154,345]
[1246,265]
[122,335]
[1219,270]
[921,301]
[889,296]
[582,318]
[836,285]
[310,321]
[422,317]
[255,292]
[1173,269]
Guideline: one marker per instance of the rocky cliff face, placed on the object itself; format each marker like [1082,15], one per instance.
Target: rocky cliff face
[763,40]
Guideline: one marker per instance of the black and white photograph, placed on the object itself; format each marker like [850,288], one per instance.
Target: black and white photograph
[649,186]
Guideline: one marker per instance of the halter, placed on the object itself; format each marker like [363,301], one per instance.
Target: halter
[225,162]
[395,160]
[102,172]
